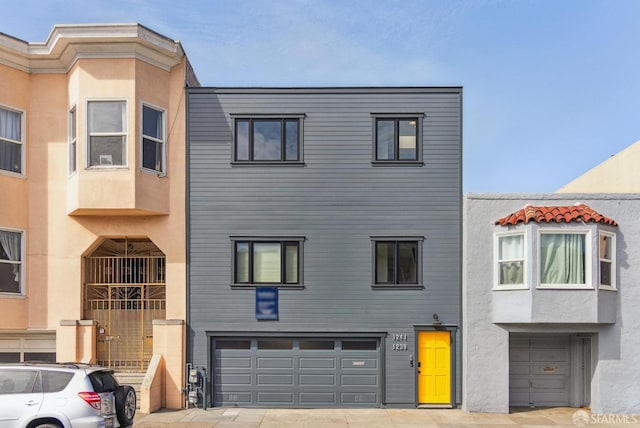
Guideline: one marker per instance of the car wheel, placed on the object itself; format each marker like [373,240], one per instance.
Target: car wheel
[47,425]
[125,404]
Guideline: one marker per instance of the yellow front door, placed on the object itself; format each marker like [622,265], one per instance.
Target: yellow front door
[434,367]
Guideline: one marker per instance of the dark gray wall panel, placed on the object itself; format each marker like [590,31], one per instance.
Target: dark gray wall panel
[337,201]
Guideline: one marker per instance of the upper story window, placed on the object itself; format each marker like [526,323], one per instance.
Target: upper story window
[267,261]
[607,259]
[153,140]
[10,262]
[11,141]
[396,261]
[268,139]
[560,243]
[397,139]
[563,258]
[73,147]
[107,133]
[511,260]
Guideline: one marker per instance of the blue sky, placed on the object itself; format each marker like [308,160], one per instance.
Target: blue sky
[551,88]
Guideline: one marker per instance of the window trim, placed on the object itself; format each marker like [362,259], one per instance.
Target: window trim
[418,161]
[496,263]
[124,133]
[419,240]
[72,136]
[282,240]
[23,269]
[259,117]
[613,261]
[588,258]
[23,128]
[163,171]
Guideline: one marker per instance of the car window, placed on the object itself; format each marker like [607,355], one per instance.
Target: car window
[103,381]
[55,381]
[18,381]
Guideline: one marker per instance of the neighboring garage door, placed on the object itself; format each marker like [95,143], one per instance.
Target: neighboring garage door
[296,372]
[539,370]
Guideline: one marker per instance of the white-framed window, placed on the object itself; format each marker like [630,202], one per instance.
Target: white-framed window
[153,140]
[511,261]
[73,140]
[262,261]
[11,140]
[607,252]
[564,258]
[11,261]
[106,133]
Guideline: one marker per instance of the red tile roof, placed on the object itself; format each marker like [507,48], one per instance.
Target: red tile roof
[564,214]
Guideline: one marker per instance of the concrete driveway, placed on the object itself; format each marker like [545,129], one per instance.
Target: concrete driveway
[378,418]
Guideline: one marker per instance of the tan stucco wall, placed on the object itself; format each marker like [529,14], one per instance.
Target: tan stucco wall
[65,216]
[618,174]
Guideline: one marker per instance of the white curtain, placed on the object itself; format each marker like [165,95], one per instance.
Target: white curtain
[10,125]
[510,256]
[10,242]
[562,258]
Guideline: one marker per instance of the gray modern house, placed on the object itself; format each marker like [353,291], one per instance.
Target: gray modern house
[551,302]
[324,245]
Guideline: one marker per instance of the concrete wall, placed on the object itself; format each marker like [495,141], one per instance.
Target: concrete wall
[615,384]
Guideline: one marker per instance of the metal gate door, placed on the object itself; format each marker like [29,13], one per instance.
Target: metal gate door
[124,293]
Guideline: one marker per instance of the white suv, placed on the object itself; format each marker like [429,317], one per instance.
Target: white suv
[63,395]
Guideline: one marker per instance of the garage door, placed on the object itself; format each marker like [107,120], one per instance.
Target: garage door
[296,372]
[539,370]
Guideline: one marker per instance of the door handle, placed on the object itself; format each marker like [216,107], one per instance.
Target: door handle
[32,403]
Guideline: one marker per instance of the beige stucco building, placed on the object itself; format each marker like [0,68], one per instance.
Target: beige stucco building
[618,174]
[92,184]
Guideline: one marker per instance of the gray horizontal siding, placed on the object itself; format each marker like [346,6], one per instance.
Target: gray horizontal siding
[337,201]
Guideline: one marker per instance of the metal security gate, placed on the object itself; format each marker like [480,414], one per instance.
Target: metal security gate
[124,293]
[296,372]
[539,370]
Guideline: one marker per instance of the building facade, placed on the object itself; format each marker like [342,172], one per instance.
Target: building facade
[92,179]
[550,302]
[324,240]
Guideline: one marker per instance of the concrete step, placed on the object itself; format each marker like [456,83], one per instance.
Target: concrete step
[133,379]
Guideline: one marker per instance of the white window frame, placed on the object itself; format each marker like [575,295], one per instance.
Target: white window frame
[613,261]
[73,141]
[21,293]
[163,141]
[23,120]
[496,264]
[588,258]
[124,133]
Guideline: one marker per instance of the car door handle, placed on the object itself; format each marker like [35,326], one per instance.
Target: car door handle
[32,403]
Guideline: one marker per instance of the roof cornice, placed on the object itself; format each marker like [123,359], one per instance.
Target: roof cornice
[68,43]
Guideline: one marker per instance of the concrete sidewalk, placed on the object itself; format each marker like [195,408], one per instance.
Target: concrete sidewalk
[377,418]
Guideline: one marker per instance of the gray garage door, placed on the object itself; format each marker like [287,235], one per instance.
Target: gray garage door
[539,370]
[296,372]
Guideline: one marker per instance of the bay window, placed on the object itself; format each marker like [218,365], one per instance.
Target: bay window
[563,258]
[153,140]
[511,260]
[107,133]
